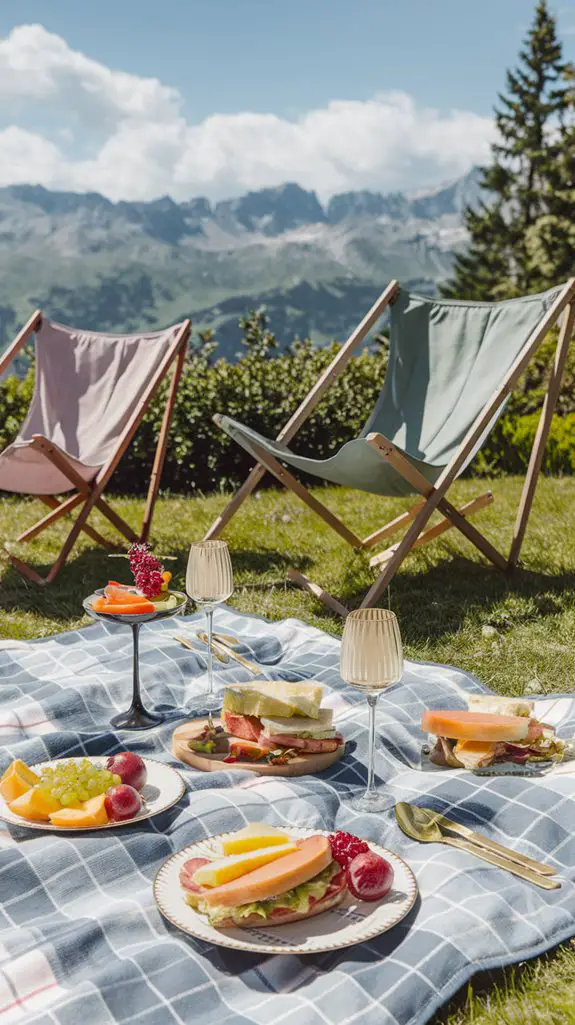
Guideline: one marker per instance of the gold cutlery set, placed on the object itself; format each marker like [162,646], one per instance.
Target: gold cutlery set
[428,826]
[222,649]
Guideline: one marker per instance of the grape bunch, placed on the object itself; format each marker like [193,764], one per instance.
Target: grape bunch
[73,782]
[146,570]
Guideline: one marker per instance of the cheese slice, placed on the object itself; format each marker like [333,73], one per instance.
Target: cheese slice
[474,754]
[274,698]
[253,838]
[320,728]
[223,870]
[495,705]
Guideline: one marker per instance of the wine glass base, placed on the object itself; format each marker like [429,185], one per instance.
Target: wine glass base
[136,719]
[375,801]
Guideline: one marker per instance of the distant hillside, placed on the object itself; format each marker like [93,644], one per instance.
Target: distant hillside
[121,266]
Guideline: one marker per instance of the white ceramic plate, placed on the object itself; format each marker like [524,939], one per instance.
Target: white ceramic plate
[163,788]
[351,922]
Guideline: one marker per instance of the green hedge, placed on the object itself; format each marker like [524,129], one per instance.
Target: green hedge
[262,389]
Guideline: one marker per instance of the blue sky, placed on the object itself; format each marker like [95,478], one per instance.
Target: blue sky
[247,93]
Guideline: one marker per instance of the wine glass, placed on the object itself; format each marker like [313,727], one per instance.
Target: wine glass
[209,581]
[371,659]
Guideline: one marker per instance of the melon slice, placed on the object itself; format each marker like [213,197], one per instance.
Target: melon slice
[253,837]
[17,779]
[223,870]
[92,813]
[34,804]
[310,858]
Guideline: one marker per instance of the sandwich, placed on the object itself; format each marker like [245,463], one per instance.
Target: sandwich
[494,730]
[277,882]
[279,716]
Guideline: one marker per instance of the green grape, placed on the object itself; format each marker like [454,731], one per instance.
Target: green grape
[57,792]
[116,779]
[94,787]
[68,797]
[83,795]
[92,770]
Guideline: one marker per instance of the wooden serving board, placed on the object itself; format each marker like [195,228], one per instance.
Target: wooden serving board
[302,765]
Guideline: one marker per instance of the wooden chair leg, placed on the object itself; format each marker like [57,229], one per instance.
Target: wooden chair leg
[391,527]
[538,450]
[25,570]
[58,508]
[117,521]
[221,521]
[286,478]
[439,528]
[162,445]
[308,585]
[72,537]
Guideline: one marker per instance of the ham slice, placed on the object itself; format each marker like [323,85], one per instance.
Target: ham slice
[306,744]
[246,727]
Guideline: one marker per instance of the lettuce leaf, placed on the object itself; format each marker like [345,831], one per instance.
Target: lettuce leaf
[296,900]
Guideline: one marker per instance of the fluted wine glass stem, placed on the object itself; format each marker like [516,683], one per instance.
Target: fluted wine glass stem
[372,702]
[210,619]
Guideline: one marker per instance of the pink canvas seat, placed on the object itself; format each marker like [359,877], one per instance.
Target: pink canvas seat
[91,392]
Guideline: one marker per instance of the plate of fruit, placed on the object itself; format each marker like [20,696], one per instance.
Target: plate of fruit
[284,891]
[148,597]
[87,793]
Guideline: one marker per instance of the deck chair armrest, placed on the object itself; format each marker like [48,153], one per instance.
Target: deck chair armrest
[396,458]
[61,461]
[20,340]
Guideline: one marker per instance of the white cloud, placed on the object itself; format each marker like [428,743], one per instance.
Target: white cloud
[141,146]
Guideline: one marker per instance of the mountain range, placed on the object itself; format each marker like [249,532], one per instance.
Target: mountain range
[122,266]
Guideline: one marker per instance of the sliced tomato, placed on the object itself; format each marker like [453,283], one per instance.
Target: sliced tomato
[246,727]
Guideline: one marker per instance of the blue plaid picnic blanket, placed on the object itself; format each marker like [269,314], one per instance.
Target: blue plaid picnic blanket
[81,939]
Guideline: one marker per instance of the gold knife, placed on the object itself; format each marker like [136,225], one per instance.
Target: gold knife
[217,646]
[500,862]
[479,840]
[188,644]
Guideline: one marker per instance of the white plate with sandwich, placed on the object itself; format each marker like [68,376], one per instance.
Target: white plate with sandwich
[273,727]
[282,891]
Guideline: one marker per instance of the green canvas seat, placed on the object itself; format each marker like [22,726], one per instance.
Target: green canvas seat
[452,366]
[446,360]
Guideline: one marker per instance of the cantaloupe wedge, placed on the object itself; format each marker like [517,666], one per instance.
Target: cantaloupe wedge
[223,870]
[310,858]
[252,837]
[35,804]
[122,609]
[92,813]
[17,779]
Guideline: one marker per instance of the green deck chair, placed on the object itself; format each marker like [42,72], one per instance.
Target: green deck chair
[452,367]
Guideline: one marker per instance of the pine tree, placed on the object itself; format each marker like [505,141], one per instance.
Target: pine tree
[530,121]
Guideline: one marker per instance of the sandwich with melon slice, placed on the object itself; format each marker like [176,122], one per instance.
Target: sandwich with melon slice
[492,730]
[263,878]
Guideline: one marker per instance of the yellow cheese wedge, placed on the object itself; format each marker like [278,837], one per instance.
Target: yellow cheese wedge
[91,813]
[34,804]
[216,873]
[252,838]
[17,779]
[274,698]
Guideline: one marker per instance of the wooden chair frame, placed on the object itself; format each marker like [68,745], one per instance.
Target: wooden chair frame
[89,495]
[434,495]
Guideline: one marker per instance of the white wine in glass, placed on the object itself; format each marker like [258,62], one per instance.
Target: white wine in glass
[209,582]
[371,660]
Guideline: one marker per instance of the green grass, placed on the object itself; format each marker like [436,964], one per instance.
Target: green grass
[447,598]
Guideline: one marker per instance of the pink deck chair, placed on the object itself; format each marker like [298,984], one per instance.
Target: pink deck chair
[90,395]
